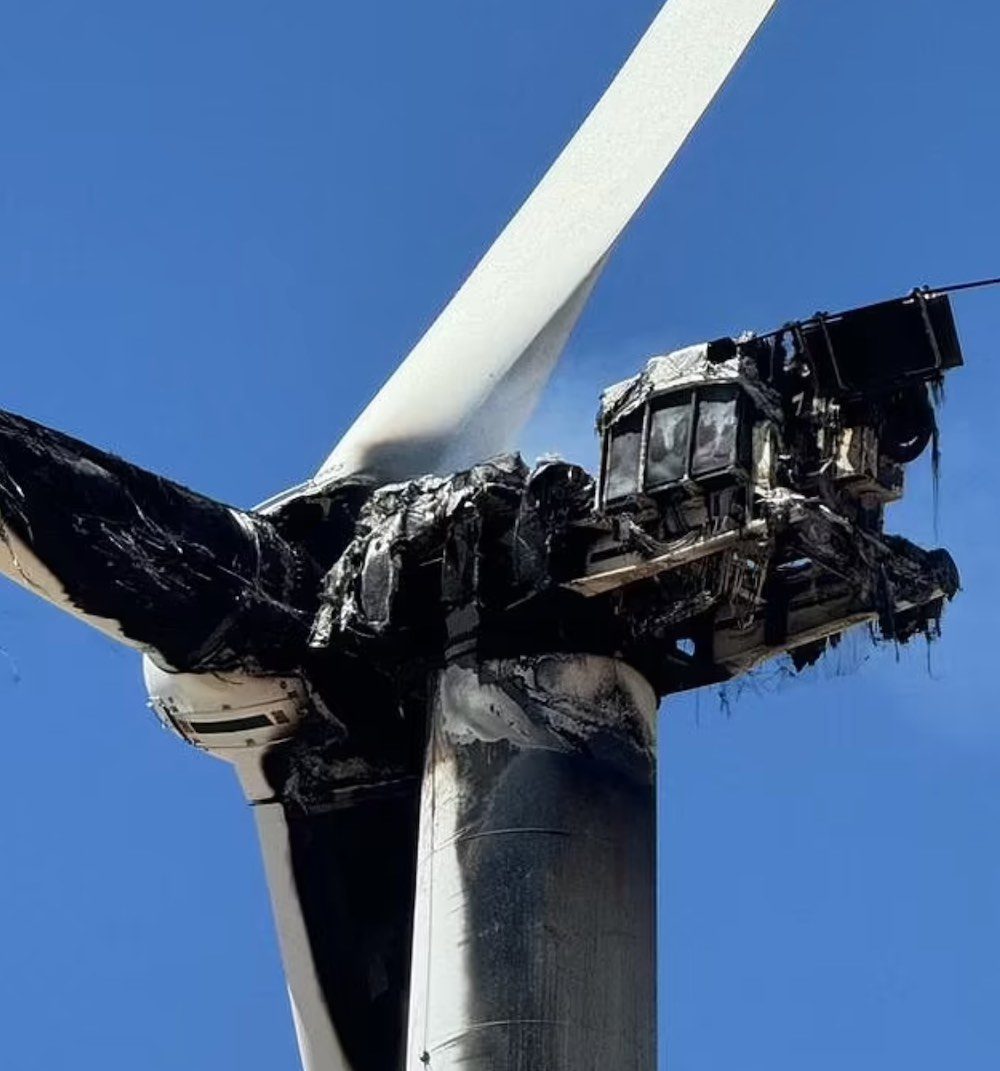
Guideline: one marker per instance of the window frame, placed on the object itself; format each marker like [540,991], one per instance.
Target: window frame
[695,394]
[609,435]
[651,407]
[730,393]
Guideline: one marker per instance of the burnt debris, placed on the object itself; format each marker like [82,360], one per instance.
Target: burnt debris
[738,515]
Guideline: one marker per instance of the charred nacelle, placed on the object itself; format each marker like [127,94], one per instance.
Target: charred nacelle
[766,463]
[704,438]
[690,443]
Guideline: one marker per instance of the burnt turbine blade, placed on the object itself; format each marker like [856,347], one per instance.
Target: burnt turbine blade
[193,582]
[342,881]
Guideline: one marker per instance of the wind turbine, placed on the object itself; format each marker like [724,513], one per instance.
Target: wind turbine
[222,603]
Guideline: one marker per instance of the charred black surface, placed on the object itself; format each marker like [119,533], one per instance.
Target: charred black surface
[353,866]
[484,541]
[535,927]
[478,564]
[204,586]
[538,839]
[738,515]
[875,349]
[349,786]
[801,448]
[367,729]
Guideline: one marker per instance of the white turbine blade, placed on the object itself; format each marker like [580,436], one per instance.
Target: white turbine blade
[498,415]
[504,329]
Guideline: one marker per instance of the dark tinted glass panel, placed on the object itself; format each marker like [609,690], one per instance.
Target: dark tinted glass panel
[622,472]
[669,431]
[715,435]
[233,725]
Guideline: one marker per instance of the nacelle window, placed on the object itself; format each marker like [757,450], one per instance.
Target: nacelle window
[622,457]
[716,432]
[686,435]
[669,434]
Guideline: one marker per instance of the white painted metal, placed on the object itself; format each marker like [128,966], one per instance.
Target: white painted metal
[505,327]
[534,924]
[184,700]
[201,707]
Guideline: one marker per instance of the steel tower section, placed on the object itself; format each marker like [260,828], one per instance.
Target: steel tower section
[534,922]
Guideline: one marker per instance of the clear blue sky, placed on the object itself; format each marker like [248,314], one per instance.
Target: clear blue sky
[222,223]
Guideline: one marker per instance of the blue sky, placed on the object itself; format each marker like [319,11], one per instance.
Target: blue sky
[221,224]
